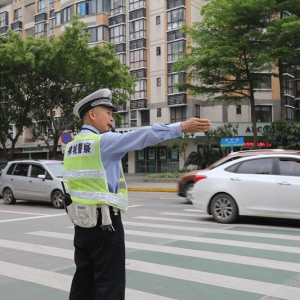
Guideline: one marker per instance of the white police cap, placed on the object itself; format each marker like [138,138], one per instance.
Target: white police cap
[100,97]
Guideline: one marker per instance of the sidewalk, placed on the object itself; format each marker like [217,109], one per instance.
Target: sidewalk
[140,182]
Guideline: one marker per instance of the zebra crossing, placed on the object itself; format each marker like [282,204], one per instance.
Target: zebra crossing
[173,256]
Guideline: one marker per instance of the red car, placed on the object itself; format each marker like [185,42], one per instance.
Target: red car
[186,181]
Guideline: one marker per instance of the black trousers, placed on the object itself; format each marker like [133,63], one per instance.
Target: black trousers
[100,262]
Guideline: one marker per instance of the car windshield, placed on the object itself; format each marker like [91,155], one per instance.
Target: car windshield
[56,169]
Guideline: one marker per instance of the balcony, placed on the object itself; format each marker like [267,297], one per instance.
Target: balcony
[122,107]
[40,17]
[3,29]
[16,25]
[179,99]
[138,104]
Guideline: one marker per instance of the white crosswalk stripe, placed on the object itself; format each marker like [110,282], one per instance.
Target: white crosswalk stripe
[157,228]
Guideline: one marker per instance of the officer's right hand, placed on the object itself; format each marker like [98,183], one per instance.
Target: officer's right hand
[194,125]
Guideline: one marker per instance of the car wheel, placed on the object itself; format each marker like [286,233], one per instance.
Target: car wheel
[8,196]
[188,192]
[224,209]
[57,199]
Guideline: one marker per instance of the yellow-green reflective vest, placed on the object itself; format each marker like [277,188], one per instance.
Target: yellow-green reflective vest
[85,175]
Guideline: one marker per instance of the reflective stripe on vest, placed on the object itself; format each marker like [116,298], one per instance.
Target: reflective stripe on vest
[85,175]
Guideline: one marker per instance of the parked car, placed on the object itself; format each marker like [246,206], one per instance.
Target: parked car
[186,181]
[264,185]
[32,180]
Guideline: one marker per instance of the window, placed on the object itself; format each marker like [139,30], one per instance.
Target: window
[288,85]
[93,32]
[40,29]
[157,20]
[176,18]
[137,29]
[18,15]
[178,114]
[138,59]
[174,48]
[123,122]
[36,171]
[52,25]
[263,113]
[86,7]
[238,109]
[21,170]
[117,34]
[174,3]
[51,4]
[122,58]
[158,81]
[157,51]
[140,89]
[117,7]
[66,15]
[134,4]
[3,18]
[197,111]
[42,6]
[175,78]
[289,113]
[145,117]
[158,113]
[289,167]
[262,166]
[98,34]
[57,18]
[103,6]
[262,81]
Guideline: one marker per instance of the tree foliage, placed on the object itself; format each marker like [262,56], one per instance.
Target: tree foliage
[284,135]
[231,47]
[39,78]
[207,156]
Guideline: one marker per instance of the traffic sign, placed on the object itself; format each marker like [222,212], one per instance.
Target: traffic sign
[66,137]
[232,142]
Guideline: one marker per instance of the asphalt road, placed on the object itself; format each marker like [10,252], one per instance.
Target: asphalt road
[173,252]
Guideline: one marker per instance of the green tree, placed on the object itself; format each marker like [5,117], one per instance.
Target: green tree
[207,156]
[284,135]
[18,81]
[228,52]
[71,70]
[214,136]
[283,42]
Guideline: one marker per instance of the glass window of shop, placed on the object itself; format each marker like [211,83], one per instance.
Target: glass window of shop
[156,160]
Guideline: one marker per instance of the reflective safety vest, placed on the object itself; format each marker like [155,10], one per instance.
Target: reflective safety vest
[85,175]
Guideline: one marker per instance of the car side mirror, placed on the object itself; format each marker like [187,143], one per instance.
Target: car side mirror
[42,177]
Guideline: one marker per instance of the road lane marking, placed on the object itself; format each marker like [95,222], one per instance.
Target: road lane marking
[245,285]
[32,218]
[60,281]
[261,246]
[228,232]
[24,213]
[239,259]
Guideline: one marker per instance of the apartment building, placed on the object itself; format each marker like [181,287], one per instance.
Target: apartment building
[147,38]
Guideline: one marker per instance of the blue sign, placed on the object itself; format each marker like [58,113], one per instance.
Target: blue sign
[232,142]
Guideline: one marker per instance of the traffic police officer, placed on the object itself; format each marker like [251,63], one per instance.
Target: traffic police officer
[94,177]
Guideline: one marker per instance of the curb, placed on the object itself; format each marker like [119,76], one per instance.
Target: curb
[175,190]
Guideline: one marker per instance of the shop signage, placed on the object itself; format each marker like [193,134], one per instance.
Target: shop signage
[232,142]
[32,149]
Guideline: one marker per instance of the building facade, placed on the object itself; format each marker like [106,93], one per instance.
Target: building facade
[147,38]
